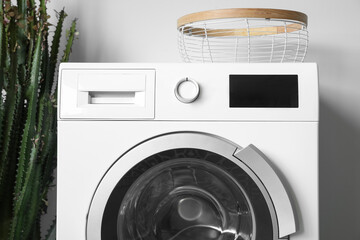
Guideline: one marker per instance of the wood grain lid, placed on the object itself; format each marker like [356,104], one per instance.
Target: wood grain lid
[266,13]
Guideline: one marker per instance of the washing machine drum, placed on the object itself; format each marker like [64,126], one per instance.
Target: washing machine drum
[186,194]
[185,199]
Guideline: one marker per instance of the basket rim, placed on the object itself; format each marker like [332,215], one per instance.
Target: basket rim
[266,13]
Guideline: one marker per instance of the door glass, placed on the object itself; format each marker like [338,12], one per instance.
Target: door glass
[186,194]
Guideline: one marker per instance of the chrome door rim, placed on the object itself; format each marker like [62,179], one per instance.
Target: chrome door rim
[282,216]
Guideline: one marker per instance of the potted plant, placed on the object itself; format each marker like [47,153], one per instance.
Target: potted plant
[27,113]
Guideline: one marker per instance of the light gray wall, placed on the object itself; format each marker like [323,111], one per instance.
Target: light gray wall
[145,31]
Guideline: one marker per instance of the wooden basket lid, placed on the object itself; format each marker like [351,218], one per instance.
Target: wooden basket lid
[265,13]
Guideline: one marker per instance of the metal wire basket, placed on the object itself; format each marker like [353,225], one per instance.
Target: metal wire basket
[243,35]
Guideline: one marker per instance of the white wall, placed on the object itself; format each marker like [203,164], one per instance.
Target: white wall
[145,31]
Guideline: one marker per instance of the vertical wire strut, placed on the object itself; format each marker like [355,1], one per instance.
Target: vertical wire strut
[306,46]
[202,50]
[208,43]
[183,40]
[285,45]
[180,45]
[236,48]
[248,34]
[272,48]
[298,46]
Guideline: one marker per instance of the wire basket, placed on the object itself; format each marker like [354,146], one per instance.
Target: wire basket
[243,35]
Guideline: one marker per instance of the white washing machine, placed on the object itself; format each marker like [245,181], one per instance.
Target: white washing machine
[187,151]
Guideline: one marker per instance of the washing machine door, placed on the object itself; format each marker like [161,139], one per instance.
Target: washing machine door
[187,185]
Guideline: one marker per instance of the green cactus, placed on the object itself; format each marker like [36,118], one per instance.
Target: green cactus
[27,114]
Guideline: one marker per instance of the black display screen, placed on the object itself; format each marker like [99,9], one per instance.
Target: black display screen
[264,91]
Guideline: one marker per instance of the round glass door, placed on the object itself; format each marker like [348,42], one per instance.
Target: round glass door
[187,194]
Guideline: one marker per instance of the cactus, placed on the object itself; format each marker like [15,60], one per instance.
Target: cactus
[27,114]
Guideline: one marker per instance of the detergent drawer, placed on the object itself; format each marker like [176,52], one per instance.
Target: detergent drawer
[105,94]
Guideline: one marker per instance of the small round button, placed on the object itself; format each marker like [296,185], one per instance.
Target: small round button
[187,90]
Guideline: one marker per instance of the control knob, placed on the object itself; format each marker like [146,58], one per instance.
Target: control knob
[187,90]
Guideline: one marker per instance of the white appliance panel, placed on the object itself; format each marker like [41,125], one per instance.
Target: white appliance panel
[291,147]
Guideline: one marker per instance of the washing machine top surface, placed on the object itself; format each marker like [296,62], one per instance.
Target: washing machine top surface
[189,92]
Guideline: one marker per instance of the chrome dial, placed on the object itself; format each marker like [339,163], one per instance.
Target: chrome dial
[187,90]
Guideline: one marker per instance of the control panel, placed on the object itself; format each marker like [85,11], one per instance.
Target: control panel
[180,91]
